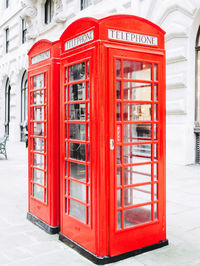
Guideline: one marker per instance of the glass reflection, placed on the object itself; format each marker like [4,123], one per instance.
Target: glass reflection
[38,97]
[77,92]
[38,176]
[38,82]
[77,111]
[38,192]
[137,70]
[137,91]
[38,145]
[137,215]
[77,210]
[39,113]
[118,68]
[137,132]
[137,195]
[38,129]
[77,72]
[137,174]
[77,151]
[137,112]
[77,131]
[39,160]
[78,191]
[78,171]
[137,153]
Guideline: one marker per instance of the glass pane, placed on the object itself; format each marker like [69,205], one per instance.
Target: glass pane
[38,82]
[137,132]
[38,145]
[118,89]
[155,131]
[77,210]
[88,191]
[119,220]
[78,171]
[88,111]
[118,68]
[118,154]
[118,176]
[137,174]
[38,129]
[137,112]
[77,92]
[77,72]
[137,195]
[118,111]
[155,151]
[88,180]
[156,211]
[39,192]
[88,69]
[155,112]
[156,72]
[38,176]
[38,97]
[155,92]
[119,198]
[155,191]
[88,215]
[88,131]
[88,90]
[78,191]
[156,171]
[137,154]
[39,113]
[77,131]
[137,91]
[137,215]
[39,160]
[66,168]
[137,70]
[77,111]
[77,151]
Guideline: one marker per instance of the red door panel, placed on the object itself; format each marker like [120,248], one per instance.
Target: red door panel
[137,162]
[77,160]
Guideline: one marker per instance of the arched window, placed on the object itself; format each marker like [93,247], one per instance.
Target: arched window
[49,10]
[197,99]
[24,106]
[7,106]
[85,3]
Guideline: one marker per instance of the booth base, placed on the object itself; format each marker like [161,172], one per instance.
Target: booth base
[104,260]
[46,227]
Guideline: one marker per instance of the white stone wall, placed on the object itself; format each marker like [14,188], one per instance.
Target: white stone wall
[179,18]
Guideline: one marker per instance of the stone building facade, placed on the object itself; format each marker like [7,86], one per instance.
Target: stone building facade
[23,22]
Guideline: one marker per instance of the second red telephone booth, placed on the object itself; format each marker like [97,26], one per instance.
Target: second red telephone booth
[113,137]
[43,140]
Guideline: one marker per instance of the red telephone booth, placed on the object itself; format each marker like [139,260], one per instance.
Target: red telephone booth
[43,139]
[113,137]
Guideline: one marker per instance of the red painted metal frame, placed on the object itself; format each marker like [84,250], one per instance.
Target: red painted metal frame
[48,210]
[102,237]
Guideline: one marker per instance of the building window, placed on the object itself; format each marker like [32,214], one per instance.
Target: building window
[49,10]
[85,3]
[7,107]
[7,39]
[7,3]
[24,107]
[24,30]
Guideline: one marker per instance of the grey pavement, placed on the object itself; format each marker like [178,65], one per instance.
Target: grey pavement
[24,244]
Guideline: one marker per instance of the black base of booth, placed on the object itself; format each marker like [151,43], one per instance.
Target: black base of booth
[104,260]
[46,227]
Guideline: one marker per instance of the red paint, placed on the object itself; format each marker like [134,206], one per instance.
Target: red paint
[100,235]
[44,96]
